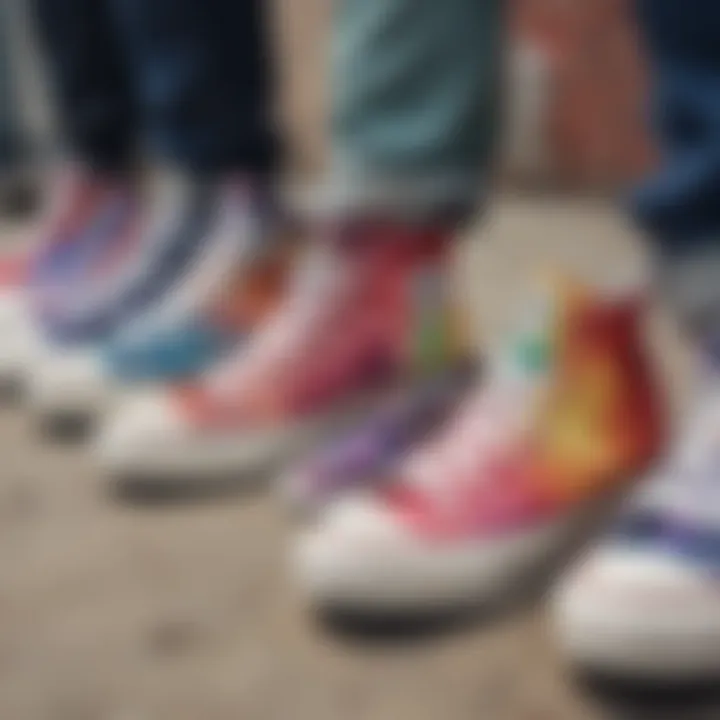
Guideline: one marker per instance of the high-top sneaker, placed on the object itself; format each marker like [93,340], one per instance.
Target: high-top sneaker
[497,493]
[88,218]
[369,310]
[643,608]
[231,280]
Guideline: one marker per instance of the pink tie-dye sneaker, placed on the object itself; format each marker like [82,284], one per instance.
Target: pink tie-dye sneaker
[368,311]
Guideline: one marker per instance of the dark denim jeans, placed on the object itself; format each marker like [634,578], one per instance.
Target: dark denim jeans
[13,141]
[192,77]
[680,204]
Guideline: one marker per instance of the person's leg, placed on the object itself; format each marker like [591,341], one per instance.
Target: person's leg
[569,408]
[415,104]
[678,205]
[92,196]
[202,77]
[96,109]
[93,201]
[92,210]
[414,114]
[18,190]
[11,133]
[203,74]
[615,613]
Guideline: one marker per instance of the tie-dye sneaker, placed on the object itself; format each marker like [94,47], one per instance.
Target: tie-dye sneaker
[87,218]
[643,608]
[205,313]
[476,509]
[129,279]
[367,311]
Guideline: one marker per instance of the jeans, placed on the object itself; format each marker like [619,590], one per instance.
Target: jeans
[192,78]
[679,205]
[415,104]
[13,143]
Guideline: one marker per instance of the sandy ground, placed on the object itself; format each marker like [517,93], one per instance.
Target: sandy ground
[112,612]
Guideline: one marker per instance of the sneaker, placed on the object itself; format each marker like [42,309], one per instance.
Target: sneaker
[86,216]
[476,509]
[367,311]
[126,279]
[643,608]
[205,311]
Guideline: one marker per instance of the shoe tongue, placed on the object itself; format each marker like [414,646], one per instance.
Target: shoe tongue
[493,412]
[526,350]
[316,280]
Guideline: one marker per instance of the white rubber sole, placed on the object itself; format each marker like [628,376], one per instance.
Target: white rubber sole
[347,573]
[71,385]
[20,345]
[184,457]
[375,566]
[646,619]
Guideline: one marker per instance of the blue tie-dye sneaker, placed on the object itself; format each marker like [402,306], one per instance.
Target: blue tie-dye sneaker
[204,314]
[128,282]
[91,221]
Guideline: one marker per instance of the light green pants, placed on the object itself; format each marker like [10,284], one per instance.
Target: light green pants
[415,104]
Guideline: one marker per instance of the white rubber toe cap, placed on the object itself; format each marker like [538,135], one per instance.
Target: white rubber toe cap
[20,342]
[363,556]
[71,383]
[144,431]
[352,556]
[640,613]
[13,309]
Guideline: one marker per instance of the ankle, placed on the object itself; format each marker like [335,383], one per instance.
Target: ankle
[412,265]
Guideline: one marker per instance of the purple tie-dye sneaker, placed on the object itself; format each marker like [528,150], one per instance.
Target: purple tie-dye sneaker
[368,453]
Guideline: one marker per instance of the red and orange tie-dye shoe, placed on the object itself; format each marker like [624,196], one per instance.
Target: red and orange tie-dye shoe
[502,488]
[367,312]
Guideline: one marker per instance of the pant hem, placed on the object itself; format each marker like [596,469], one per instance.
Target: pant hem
[421,197]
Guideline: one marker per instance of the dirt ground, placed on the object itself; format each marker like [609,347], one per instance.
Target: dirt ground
[117,612]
